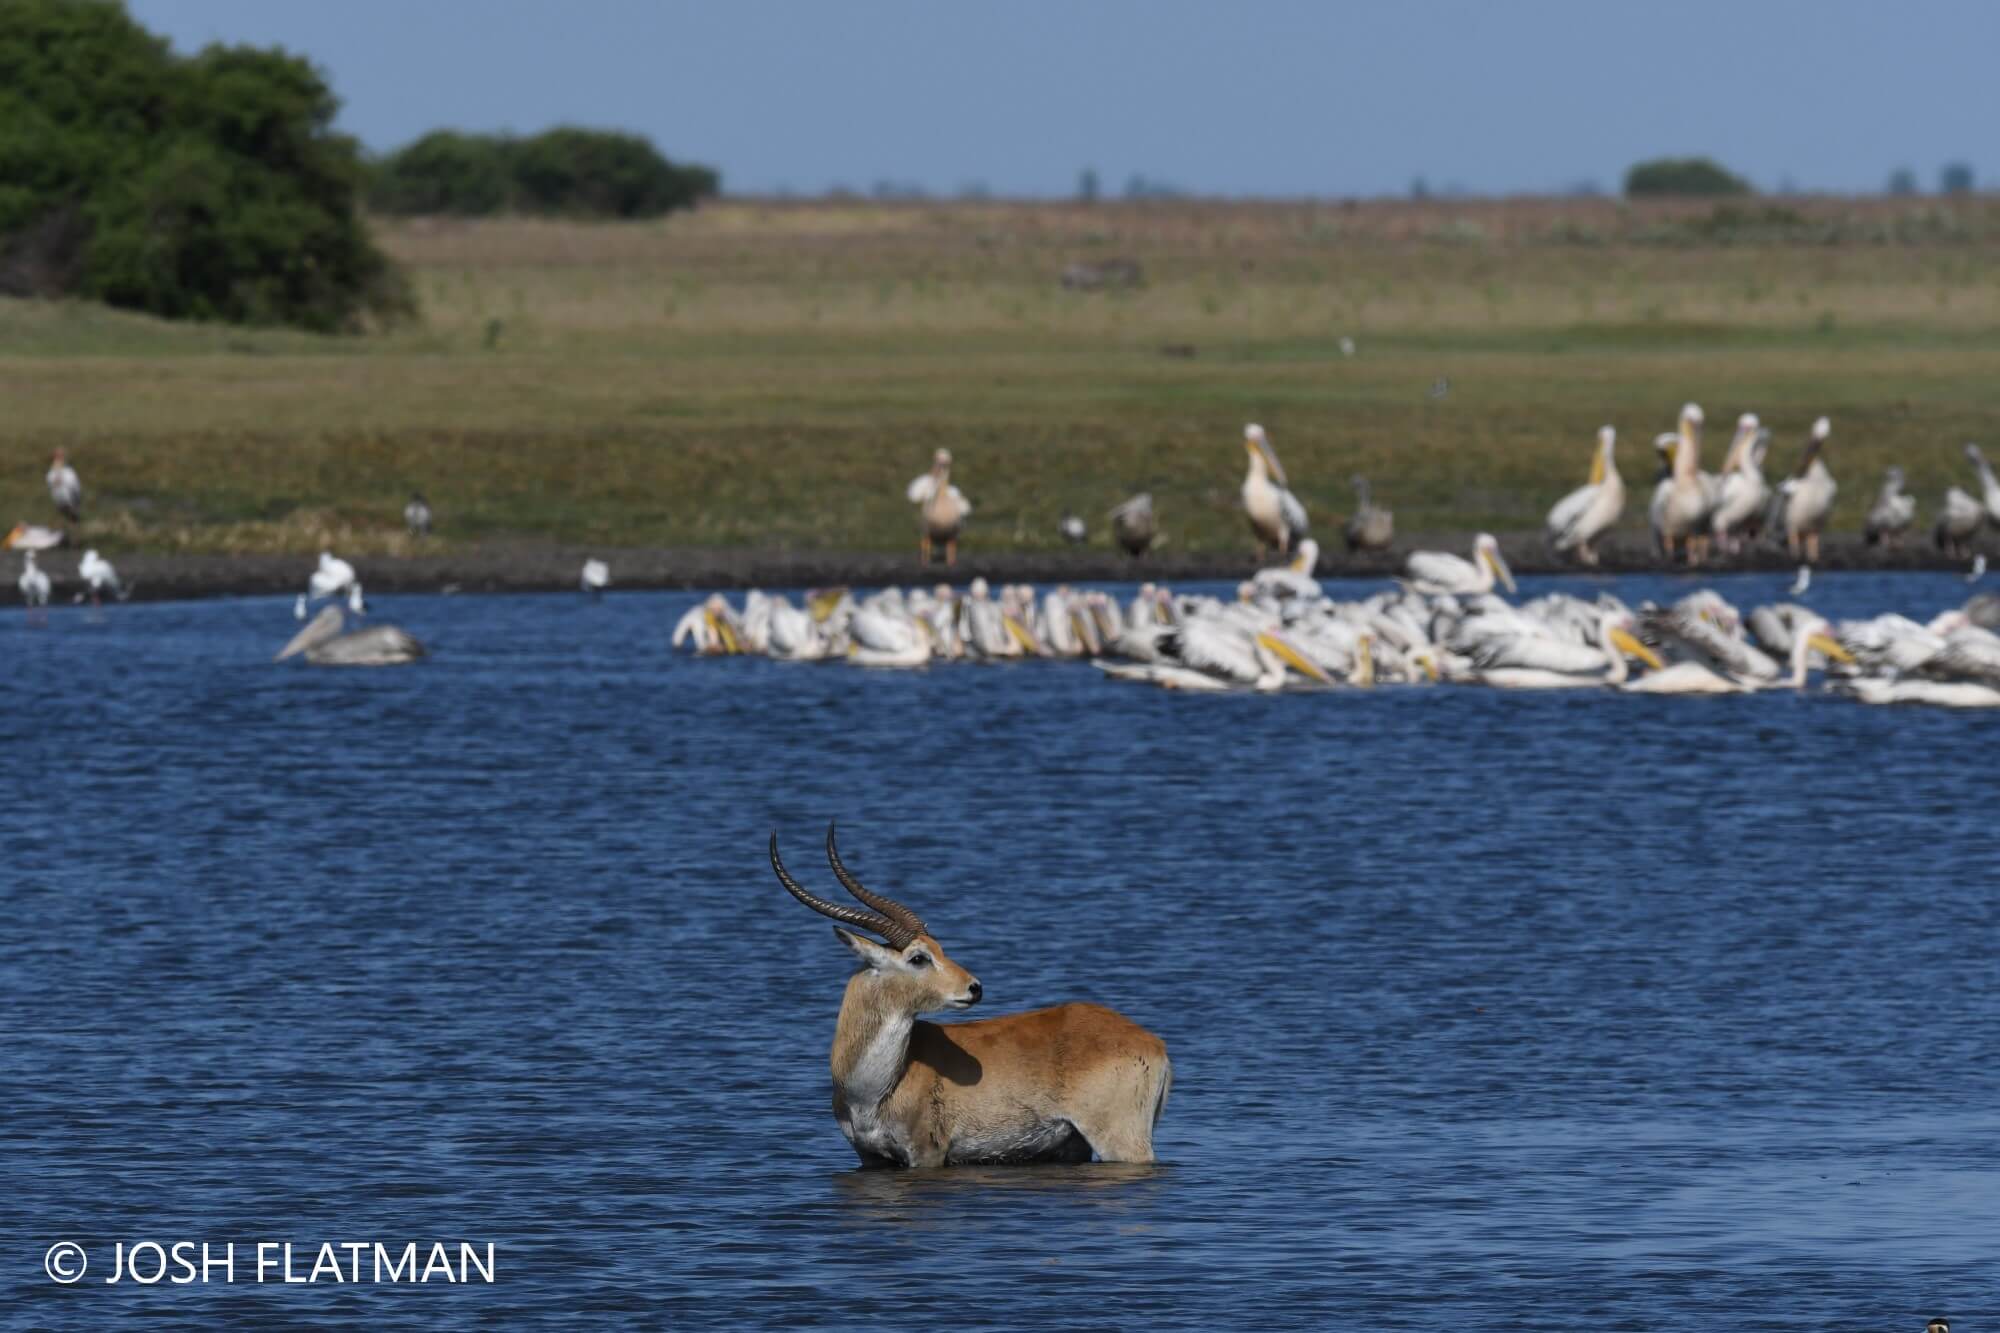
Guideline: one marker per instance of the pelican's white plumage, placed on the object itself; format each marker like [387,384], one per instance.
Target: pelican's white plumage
[1893,512]
[1276,516]
[34,581]
[1807,497]
[1589,511]
[1685,504]
[65,487]
[595,577]
[1744,494]
[1439,573]
[332,578]
[99,577]
[942,508]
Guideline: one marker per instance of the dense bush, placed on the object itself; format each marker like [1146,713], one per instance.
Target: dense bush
[1956,178]
[1683,176]
[210,187]
[566,172]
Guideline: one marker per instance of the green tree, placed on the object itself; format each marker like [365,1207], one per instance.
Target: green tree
[1956,178]
[1683,177]
[211,187]
[601,173]
[471,175]
[1902,181]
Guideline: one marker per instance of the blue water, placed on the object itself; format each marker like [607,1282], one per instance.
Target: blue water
[1486,1010]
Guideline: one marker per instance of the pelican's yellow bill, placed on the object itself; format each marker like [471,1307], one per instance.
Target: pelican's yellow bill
[1295,659]
[1830,647]
[1623,641]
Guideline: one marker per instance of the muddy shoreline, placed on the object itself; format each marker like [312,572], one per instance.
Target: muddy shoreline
[541,567]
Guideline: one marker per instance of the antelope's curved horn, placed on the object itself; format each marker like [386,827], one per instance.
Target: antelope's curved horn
[889,907]
[853,916]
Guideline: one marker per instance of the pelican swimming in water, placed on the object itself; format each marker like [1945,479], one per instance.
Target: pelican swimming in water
[65,487]
[1686,503]
[1589,511]
[1294,579]
[942,508]
[1540,662]
[1276,516]
[34,581]
[1698,676]
[1372,528]
[1743,493]
[1438,573]
[1892,514]
[1133,525]
[333,577]
[1804,500]
[324,644]
[594,579]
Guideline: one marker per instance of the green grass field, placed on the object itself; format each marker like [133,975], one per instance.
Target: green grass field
[771,374]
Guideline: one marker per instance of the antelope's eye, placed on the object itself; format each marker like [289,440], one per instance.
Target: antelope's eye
[920,960]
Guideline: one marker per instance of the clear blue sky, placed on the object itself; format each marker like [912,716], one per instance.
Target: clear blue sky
[1270,97]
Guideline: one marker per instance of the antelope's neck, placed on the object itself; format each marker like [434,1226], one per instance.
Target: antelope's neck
[871,1043]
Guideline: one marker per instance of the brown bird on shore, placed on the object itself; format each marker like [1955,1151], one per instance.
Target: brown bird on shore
[1372,528]
[943,509]
[65,488]
[1133,526]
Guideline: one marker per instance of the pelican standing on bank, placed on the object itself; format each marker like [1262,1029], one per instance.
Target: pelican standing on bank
[1743,493]
[596,576]
[1133,525]
[1440,574]
[942,508]
[1989,486]
[417,515]
[1892,514]
[1372,528]
[34,582]
[1807,497]
[65,487]
[1276,516]
[324,644]
[1685,508]
[1589,511]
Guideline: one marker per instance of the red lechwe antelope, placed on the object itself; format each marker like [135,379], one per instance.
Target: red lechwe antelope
[1050,1085]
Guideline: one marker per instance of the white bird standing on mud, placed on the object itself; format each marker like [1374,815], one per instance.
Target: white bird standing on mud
[1276,516]
[1743,493]
[1589,511]
[596,576]
[942,508]
[1989,485]
[98,575]
[331,579]
[1681,517]
[417,515]
[1806,498]
[34,581]
[324,645]
[65,487]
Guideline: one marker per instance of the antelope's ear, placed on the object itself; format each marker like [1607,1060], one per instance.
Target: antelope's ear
[870,953]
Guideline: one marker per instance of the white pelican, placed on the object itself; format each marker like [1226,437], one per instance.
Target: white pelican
[1743,494]
[1073,529]
[34,582]
[1959,520]
[1224,645]
[331,579]
[943,508]
[794,635]
[99,577]
[1437,573]
[1700,677]
[885,634]
[1372,528]
[1589,511]
[1133,526]
[34,537]
[1989,486]
[1804,501]
[1276,516]
[1538,662]
[1294,579]
[417,515]
[65,488]
[1943,693]
[1893,513]
[324,645]
[1686,502]
[595,578]
[710,628]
